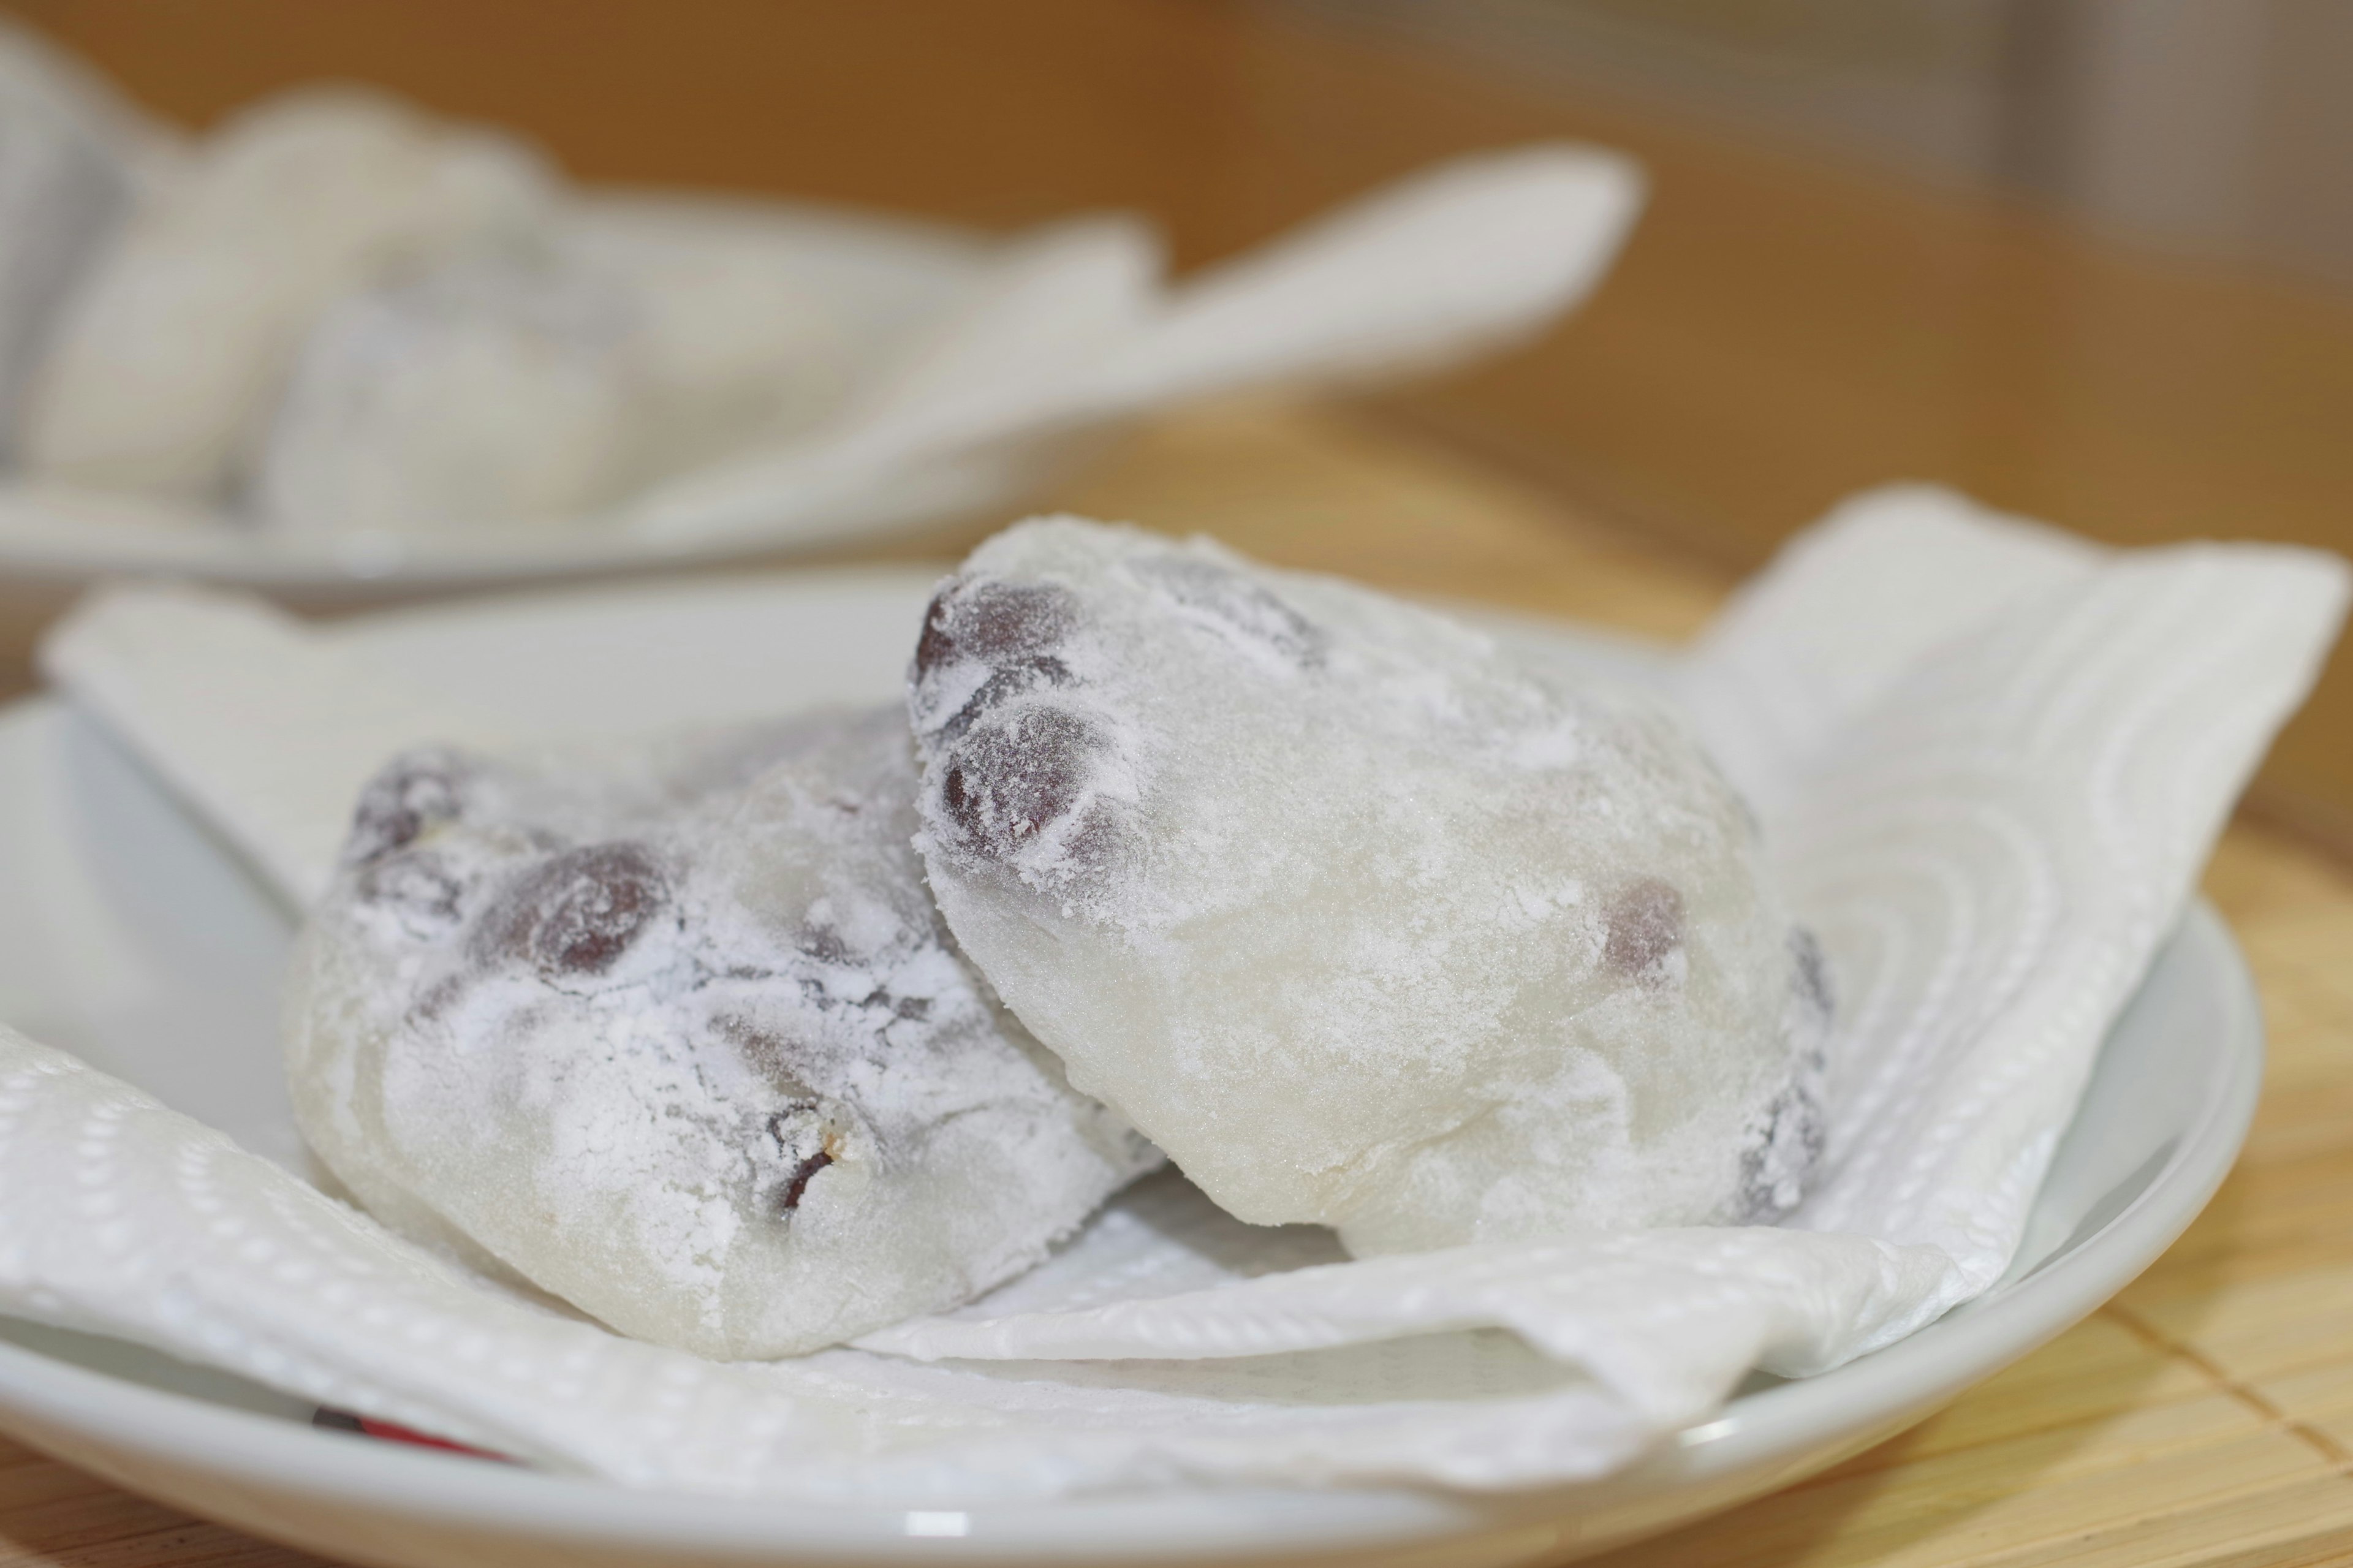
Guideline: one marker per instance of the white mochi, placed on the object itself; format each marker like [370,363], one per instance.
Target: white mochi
[494,390]
[536,388]
[681,1040]
[68,179]
[171,356]
[1364,918]
[738,348]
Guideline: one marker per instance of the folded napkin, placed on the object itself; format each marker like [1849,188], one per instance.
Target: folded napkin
[1074,328]
[1991,762]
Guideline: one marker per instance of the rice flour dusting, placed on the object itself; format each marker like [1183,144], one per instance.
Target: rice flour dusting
[677,1035]
[1364,918]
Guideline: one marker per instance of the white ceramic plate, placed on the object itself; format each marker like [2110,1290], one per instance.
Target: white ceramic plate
[129,937]
[882,281]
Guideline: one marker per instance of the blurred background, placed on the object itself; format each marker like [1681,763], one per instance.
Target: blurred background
[2086,259]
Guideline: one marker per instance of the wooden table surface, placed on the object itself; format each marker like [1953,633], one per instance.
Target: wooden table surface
[2203,1418]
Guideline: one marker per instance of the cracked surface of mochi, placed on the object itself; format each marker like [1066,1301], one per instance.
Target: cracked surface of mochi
[170,358]
[493,390]
[1364,918]
[679,1038]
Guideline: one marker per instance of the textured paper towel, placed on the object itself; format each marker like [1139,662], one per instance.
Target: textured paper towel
[1990,761]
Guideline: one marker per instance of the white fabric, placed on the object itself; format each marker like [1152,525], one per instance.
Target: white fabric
[1991,764]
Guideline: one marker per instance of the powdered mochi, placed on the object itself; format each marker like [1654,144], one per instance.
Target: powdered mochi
[493,390]
[1364,918]
[680,1039]
[171,355]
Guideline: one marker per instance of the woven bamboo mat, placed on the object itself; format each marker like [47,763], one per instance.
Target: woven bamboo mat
[2202,1420]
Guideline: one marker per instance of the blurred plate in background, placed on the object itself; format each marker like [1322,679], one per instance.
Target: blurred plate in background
[884,283]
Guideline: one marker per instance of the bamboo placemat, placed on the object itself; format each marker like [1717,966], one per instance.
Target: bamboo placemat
[2202,1420]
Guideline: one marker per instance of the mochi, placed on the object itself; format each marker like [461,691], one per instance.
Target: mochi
[678,1037]
[1367,917]
[494,390]
[170,357]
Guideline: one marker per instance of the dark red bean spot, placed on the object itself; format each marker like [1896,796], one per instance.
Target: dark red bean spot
[993,621]
[1028,674]
[1645,925]
[797,1183]
[963,804]
[935,647]
[605,894]
[574,914]
[1013,780]
[412,792]
[1009,629]
[801,1135]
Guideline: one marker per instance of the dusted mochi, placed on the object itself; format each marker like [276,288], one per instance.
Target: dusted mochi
[166,366]
[1364,918]
[493,390]
[531,388]
[681,1040]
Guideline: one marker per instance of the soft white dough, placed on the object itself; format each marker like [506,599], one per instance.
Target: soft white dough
[68,179]
[1364,918]
[171,358]
[535,387]
[739,349]
[680,1037]
[493,390]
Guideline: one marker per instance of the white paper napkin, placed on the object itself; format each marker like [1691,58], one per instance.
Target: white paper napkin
[1990,760]
[1076,330]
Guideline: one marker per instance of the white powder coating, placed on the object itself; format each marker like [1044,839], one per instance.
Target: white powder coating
[1362,918]
[493,390]
[680,1038]
[173,353]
